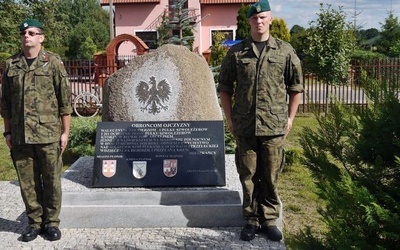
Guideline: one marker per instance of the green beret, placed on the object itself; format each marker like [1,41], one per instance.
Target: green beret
[30,23]
[259,7]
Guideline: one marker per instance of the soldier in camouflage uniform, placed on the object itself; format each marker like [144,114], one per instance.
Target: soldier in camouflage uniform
[258,74]
[36,108]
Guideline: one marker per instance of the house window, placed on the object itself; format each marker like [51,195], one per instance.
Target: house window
[173,2]
[229,34]
[148,37]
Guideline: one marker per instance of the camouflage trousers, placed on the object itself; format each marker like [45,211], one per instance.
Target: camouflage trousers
[259,160]
[38,168]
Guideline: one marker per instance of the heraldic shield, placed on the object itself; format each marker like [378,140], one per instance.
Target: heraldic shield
[109,168]
[170,167]
[139,169]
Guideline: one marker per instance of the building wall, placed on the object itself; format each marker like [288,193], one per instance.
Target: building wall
[136,17]
[220,17]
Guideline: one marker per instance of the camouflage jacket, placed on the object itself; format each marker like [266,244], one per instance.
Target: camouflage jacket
[34,98]
[260,84]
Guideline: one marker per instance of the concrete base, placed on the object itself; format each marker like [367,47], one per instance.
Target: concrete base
[85,207]
[145,209]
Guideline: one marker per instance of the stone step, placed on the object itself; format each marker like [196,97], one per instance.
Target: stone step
[87,207]
[168,208]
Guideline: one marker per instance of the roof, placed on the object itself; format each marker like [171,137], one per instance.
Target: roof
[107,2]
[226,1]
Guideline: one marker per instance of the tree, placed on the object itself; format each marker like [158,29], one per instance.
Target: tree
[280,30]
[86,19]
[354,158]
[395,49]
[298,36]
[164,30]
[11,14]
[297,29]
[369,33]
[390,35]
[60,19]
[177,25]
[243,25]
[55,22]
[87,49]
[330,41]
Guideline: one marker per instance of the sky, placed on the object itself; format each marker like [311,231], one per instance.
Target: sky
[370,13]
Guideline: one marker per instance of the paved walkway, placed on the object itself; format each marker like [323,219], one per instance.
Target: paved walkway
[13,222]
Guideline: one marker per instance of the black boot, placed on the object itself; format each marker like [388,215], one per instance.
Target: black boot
[52,233]
[273,233]
[30,234]
[248,232]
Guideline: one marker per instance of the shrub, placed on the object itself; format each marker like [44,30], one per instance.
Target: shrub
[4,56]
[353,156]
[82,139]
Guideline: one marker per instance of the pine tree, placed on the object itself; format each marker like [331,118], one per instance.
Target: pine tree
[279,29]
[243,26]
[354,158]
[177,26]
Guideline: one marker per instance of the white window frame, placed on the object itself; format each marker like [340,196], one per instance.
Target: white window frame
[146,31]
[221,30]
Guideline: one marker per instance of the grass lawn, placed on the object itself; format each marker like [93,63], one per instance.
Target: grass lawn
[296,188]
[298,194]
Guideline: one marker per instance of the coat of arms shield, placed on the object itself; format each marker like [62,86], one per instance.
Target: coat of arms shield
[139,169]
[109,168]
[170,167]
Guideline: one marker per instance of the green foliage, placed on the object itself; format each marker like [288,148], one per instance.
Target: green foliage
[298,39]
[390,36]
[279,29]
[368,34]
[218,52]
[395,49]
[82,137]
[11,15]
[164,30]
[293,156]
[87,49]
[353,155]
[177,26]
[366,55]
[60,19]
[243,25]
[297,29]
[4,56]
[78,39]
[330,41]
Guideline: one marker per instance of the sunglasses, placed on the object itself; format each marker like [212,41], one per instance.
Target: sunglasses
[31,33]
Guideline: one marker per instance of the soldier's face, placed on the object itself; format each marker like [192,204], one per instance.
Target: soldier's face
[31,37]
[260,22]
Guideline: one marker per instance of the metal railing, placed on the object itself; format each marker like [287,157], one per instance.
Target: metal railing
[84,75]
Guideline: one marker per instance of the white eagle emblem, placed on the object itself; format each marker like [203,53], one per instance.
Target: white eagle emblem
[153,95]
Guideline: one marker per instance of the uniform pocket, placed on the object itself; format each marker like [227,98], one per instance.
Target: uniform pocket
[44,80]
[47,119]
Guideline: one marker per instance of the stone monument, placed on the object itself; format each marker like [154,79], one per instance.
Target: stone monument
[162,123]
[170,84]
[167,98]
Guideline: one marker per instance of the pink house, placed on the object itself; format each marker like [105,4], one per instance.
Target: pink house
[142,17]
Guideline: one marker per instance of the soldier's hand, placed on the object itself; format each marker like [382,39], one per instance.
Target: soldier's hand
[9,141]
[63,142]
[230,126]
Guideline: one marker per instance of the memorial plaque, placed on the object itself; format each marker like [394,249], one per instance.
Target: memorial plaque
[150,154]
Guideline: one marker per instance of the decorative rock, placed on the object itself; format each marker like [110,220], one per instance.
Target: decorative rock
[170,84]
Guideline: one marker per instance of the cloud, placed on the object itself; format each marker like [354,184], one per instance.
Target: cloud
[366,13]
